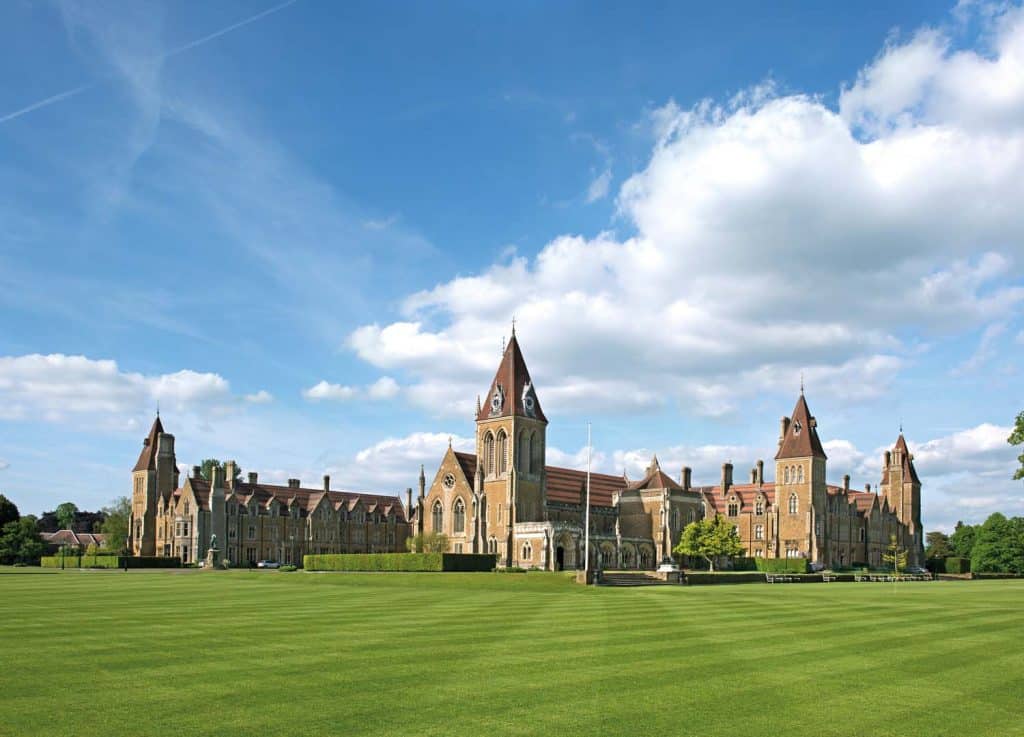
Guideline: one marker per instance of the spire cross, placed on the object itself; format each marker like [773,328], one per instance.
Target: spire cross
[158,408]
[513,326]
[801,382]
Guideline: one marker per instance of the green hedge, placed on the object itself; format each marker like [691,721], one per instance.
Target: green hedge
[109,561]
[782,565]
[948,565]
[399,562]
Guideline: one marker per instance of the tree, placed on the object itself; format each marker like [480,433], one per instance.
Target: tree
[999,547]
[20,543]
[1017,438]
[8,511]
[709,539]
[961,542]
[430,542]
[937,545]
[115,526]
[66,515]
[208,464]
[895,555]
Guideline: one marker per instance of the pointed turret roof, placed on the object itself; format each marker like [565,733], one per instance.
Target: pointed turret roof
[147,458]
[908,462]
[801,439]
[516,388]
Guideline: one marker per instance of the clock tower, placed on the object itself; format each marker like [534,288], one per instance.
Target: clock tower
[510,441]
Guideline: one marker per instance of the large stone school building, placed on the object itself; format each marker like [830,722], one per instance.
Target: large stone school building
[505,499]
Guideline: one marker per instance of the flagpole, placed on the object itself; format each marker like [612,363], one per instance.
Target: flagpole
[586,518]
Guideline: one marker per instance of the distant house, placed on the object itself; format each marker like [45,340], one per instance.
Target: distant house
[81,540]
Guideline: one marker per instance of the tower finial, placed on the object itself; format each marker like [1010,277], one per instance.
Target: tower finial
[449,441]
[158,409]
[801,383]
[513,326]
[901,426]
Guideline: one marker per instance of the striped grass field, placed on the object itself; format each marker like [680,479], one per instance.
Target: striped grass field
[187,653]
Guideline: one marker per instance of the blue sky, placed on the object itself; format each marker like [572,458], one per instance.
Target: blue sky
[304,229]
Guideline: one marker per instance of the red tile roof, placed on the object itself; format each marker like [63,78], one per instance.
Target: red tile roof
[467,461]
[147,458]
[70,537]
[746,496]
[306,499]
[801,439]
[513,377]
[567,485]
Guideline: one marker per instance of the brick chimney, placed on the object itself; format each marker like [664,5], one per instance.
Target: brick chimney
[253,478]
[760,473]
[846,483]
[230,470]
[327,482]
[726,476]
[783,429]
[687,477]
[293,483]
[197,471]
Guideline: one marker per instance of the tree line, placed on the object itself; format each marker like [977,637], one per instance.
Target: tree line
[20,541]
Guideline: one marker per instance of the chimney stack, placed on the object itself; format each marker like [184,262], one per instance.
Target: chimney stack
[253,478]
[726,476]
[760,473]
[216,477]
[753,476]
[197,471]
[887,459]
[687,477]
[783,429]
[867,488]
[408,503]
[327,482]
[230,469]
[846,483]
[293,483]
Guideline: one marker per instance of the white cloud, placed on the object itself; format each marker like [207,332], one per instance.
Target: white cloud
[985,351]
[770,237]
[978,449]
[54,386]
[383,388]
[394,463]
[4,465]
[328,391]
[599,186]
[260,397]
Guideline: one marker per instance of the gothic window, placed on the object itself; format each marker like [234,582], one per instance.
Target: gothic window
[734,508]
[690,515]
[502,451]
[793,504]
[527,551]
[785,476]
[524,451]
[459,516]
[800,475]
[759,507]
[704,509]
[488,454]
[492,545]
[438,517]
[759,532]
[536,453]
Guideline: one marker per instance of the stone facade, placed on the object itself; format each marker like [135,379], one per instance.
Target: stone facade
[504,499]
[252,520]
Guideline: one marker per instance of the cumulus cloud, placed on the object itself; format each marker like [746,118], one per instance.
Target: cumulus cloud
[771,234]
[56,386]
[599,186]
[383,388]
[327,391]
[260,397]
[394,463]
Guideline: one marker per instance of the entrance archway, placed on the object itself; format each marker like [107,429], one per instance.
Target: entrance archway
[559,558]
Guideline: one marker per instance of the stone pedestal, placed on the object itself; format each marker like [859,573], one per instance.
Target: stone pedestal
[212,559]
[588,577]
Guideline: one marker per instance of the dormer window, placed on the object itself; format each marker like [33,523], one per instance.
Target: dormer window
[734,508]
[797,427]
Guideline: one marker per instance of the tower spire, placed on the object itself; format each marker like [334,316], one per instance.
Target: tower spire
[513,326]
[801,383]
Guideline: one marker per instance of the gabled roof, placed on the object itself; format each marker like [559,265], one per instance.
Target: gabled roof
[801,440]
[654,478]
[516,386]
[569,486]
[908,464]
[746,496]
[147,458]
[467,462]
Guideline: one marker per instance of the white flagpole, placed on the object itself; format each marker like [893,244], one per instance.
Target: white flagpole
[586,516]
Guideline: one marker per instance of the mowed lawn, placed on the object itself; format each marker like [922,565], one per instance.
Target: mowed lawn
[269,653]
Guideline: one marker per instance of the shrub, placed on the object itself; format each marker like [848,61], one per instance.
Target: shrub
[744,564]
[399,562]
[956,565]
[511,569]
[287,569]
[782,565]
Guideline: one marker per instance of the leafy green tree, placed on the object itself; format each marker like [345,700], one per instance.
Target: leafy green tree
[961,542]
[1017,438]
[115,526]
[8,511]
[937,545]
[430,542]
[208,464]
[999,547]
[20,543]
[896,555]
[709,539]
[66,515]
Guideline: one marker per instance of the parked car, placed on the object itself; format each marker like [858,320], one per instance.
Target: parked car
[915,569]
[268,564]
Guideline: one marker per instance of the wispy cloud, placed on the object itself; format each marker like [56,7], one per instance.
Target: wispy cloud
[75,91]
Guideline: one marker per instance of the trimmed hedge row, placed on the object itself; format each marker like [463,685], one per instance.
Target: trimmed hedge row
[699,578]
[109,561]
[399,562]
[782,565]
[948,565]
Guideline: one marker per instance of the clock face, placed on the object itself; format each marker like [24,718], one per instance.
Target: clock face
[449,481]
[497,400]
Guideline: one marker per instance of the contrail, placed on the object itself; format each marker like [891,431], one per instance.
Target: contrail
[166,55]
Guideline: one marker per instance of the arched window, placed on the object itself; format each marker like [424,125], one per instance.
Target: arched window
[492,545]
[759,507]
[536,452]
[704,510]
[800,475]
[488,454]
[524,452]
[785,475]
[690,515]
[793,504]
[459,516]
[502,452]
[527,551]
[734,508]
[759,532]
[438,517]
